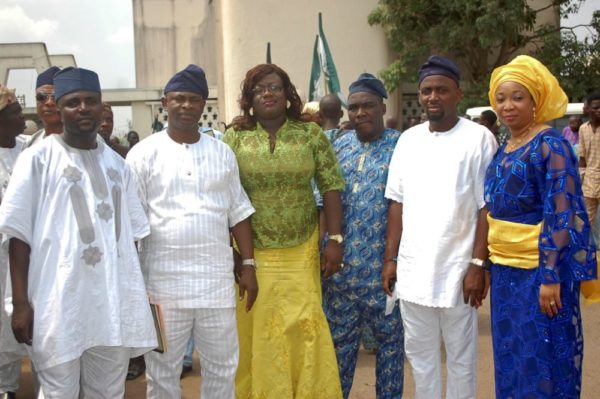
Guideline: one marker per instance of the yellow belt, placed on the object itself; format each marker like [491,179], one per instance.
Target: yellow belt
[514,244]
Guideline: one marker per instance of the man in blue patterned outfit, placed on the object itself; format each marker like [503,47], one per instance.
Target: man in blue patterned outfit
[353,297]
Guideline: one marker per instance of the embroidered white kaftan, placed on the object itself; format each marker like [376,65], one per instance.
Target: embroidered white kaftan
[79,212]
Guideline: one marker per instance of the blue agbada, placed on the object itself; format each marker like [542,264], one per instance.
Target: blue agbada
[534,355]
[353,297]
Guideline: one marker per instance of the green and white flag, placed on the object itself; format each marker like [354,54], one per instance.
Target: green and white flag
[323,76]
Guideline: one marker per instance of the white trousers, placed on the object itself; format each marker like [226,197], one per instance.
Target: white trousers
[424,327]
[98,374]
[216,339]
[10,374]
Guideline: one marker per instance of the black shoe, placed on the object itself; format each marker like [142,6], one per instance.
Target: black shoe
[185,369]
[8,395]
[137,367]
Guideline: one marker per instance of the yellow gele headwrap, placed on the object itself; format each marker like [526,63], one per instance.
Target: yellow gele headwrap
[7,96]
[550,100]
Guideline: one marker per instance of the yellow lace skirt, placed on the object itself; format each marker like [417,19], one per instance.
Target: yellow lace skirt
[286,351]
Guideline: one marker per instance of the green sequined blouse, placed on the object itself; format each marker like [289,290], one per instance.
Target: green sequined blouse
[278,183]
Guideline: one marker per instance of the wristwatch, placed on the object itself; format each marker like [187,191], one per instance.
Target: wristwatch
[337,238]
[250,262]
[476,262]
[484,264]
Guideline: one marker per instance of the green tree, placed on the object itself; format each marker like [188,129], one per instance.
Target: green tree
[578,67]
[479,34]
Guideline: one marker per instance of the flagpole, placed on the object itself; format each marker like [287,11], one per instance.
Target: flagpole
[269,53]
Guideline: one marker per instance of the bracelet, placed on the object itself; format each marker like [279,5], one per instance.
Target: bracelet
[395,260]
[250,262]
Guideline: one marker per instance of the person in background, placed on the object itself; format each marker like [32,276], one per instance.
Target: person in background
[12,124]
[571,131]
[133,138]
[540,241]
[489,119]
[286,349]
[310,113]
[330,113]
[46,106]
[106,128]
[588,151]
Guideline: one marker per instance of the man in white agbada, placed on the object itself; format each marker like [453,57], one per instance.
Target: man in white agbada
[436,239]
[12,123]
[191,190]
[46,107]
[72,214]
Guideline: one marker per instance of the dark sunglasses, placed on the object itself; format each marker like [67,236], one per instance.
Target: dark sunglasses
[44,97]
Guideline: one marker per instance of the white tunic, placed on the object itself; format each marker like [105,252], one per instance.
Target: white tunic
[10,349]
[438,177]
[79,212]
[192,194]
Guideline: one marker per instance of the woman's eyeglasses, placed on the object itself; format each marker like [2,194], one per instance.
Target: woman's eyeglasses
[44,97]
[262,90]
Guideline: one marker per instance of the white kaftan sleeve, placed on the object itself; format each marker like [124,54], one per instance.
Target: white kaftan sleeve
[483,157]
[394,189]
[20,201]
[137,215]
[240,206]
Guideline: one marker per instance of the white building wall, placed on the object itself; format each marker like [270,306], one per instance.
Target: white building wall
[291,26]
[228,37]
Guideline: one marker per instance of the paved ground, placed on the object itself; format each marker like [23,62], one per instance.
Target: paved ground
[364,382]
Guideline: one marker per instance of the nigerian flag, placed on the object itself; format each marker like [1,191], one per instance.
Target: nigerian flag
[323,76]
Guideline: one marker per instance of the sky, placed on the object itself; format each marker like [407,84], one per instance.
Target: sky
[99,33]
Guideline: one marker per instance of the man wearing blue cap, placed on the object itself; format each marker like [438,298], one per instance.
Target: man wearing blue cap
[46,107]
[191,191]
[436,240]
[353,297]
[72,214]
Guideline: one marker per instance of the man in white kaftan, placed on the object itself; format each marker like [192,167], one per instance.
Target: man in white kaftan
[191,190]
[72,214]
[435,245]
[12,123]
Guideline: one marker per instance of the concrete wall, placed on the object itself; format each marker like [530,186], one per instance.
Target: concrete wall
[228,37]
[169,35]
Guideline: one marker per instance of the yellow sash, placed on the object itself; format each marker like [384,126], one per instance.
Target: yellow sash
[514,244]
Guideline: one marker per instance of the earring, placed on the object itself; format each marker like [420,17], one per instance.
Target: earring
[534,113]
[251,111]
[288,104]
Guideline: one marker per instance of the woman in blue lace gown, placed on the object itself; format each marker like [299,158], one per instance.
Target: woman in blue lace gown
[540,241]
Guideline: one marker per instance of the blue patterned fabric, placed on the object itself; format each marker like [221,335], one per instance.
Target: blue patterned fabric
[536,356]
[354,297]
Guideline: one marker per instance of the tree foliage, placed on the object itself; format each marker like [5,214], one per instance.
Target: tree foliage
[479,34]
[578,67]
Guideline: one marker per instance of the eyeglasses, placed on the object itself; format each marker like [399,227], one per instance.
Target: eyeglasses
[262,90]
[44,97]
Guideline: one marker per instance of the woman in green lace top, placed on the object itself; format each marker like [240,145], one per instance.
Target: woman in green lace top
[286,349]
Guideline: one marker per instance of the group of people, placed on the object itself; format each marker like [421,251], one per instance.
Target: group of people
[405,234]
